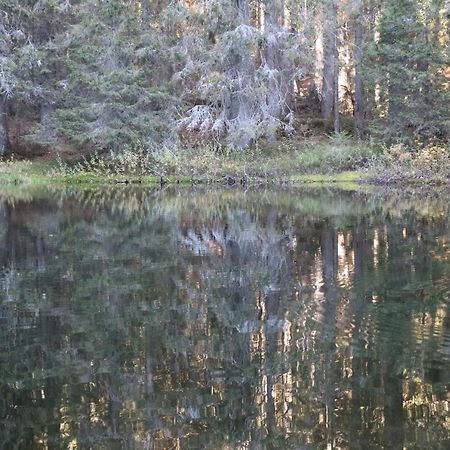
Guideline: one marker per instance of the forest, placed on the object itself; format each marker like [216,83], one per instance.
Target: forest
[83,77]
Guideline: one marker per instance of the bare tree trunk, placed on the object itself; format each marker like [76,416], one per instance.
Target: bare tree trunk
[371,100]
[256,13]
[336,83]
[145,14]
[329,56]
[359,86]
[275,97]
[4,138]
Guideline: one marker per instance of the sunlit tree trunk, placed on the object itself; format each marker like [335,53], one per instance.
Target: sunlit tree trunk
[358,55]
[370,37]
[256,13]
[337,126]
[330,70]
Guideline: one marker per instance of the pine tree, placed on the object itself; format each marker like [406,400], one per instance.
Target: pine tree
[18,58]
[30,68]
[116,92]
[407,70]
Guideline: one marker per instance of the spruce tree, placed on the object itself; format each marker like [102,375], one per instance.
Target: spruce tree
[407,74]
[116,92]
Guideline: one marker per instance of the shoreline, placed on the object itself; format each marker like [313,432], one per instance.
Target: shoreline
[43,173]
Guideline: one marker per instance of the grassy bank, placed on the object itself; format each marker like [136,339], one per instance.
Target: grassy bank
[48,172]
[428,166]
[321,161]
[315,161]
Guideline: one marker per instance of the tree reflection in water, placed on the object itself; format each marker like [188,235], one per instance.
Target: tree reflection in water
[225,319]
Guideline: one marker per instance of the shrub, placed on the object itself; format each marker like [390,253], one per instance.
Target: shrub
[430,164]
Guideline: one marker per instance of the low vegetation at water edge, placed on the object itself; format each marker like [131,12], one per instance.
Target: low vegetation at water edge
[287,161]
[337,158]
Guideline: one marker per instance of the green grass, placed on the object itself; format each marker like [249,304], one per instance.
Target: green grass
[332,160]
[46,173]
[345,180]
[281,161]
[343,177]
[22,171]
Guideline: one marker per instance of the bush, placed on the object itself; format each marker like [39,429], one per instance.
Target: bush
[336,154]
[265,160]
[430,164]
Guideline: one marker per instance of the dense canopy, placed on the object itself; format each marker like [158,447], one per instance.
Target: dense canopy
[110,74]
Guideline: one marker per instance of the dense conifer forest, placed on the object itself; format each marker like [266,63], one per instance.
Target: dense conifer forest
[114,75]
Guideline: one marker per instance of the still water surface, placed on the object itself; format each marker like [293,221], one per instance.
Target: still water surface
[139,319]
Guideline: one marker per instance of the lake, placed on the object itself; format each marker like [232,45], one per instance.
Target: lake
[135,318]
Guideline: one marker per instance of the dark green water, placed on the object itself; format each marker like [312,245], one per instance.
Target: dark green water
[134,319]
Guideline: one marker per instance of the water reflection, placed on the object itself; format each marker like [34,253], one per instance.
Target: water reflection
[134,319]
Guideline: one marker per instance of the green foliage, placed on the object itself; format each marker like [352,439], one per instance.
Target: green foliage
[405,67]
[335,154]
[272,163]
[112,96]
[101,76]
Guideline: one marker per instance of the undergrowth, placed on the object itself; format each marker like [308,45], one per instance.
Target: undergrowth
[430,165]
[336,154]
[294,160]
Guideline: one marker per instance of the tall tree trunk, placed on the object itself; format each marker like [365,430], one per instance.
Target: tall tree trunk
[370,36]
[329,56]
[4,135]
[337,126]
[145,14]
[275,97]
[359,86]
